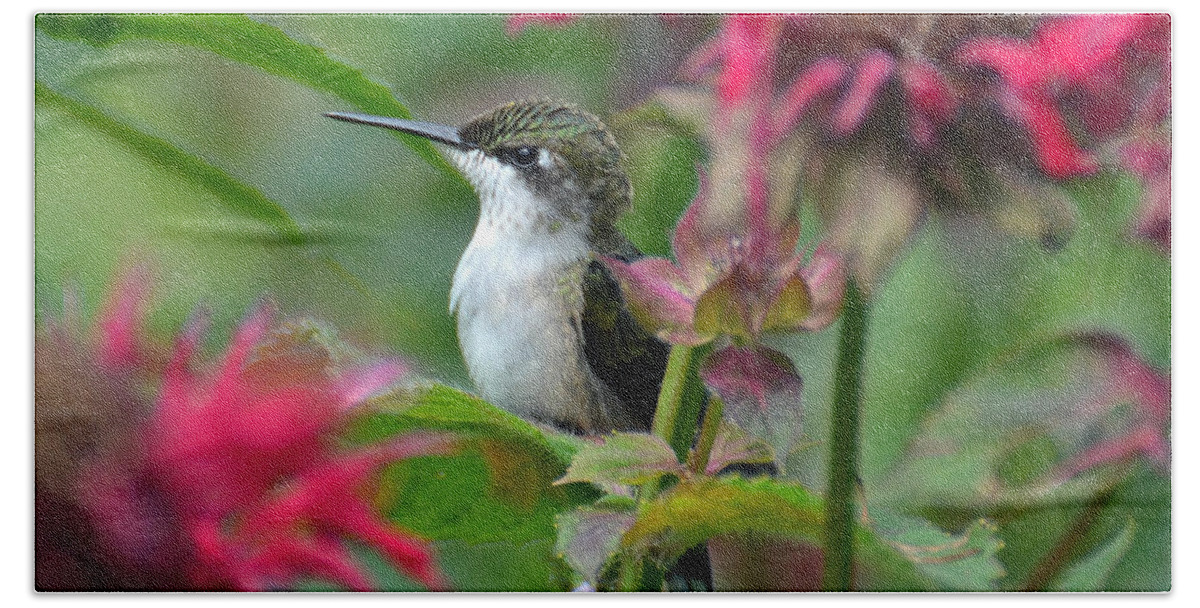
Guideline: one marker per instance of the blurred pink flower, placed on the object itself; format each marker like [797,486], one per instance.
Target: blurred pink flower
[234,479]
[1092,64]
[737,273]
[888,118]
[736,270]
[722,285]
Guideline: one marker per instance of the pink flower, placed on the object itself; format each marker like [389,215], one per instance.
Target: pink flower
[1095,63]
[737,271]
[724,284]
[234,478]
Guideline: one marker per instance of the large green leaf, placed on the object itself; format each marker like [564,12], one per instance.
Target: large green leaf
[1051,422]
[440,407]
[493,503]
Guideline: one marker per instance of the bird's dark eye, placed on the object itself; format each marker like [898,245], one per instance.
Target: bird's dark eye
[525,156]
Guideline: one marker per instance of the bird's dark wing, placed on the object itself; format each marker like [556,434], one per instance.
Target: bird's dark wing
[628,360]
[631,362]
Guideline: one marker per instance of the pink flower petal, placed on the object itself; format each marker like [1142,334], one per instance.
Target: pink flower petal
[1057,153]
[825,277]
[281,562]
[873,71]
[1012,59]
[655,292]
[121,318]
[1076,46]
[931,99]
[822,76]
[1145,440]
[1146,158]
[247,336]
[928,90]
[749,43]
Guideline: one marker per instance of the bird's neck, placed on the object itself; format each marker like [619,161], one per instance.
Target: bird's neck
[515,246]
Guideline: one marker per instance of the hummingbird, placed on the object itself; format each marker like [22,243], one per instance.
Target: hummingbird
[542,324]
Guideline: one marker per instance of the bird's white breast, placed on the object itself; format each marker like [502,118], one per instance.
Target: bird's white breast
[516,294]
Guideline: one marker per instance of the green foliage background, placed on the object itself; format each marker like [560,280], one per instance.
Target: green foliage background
[196,143]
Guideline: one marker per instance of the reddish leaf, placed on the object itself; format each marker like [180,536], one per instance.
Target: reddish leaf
[761,392]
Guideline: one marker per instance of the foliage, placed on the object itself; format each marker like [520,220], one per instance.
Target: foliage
[999,186]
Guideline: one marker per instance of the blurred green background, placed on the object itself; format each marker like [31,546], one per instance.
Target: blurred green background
[380,229]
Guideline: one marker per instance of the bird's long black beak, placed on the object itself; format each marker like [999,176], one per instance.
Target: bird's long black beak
[432,131]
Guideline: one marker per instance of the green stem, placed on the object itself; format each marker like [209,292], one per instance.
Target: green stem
[1059,556]
[708,435]
[843,456]
[666,413]
[671,393]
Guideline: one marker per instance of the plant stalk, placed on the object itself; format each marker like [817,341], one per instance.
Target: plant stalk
[1053,563]
[666,414]
[671,393]
[708,435]
[844,448]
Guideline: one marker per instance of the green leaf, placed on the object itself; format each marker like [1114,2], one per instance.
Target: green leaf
[1089,573]
[624,458]
[493,499]
[237,195]
[242,39]
[437,406]
[696,510]
[965,562]
[1051,422]
[902,554]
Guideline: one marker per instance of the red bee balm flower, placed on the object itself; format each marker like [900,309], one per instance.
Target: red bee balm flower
[234,478]
[221,444]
